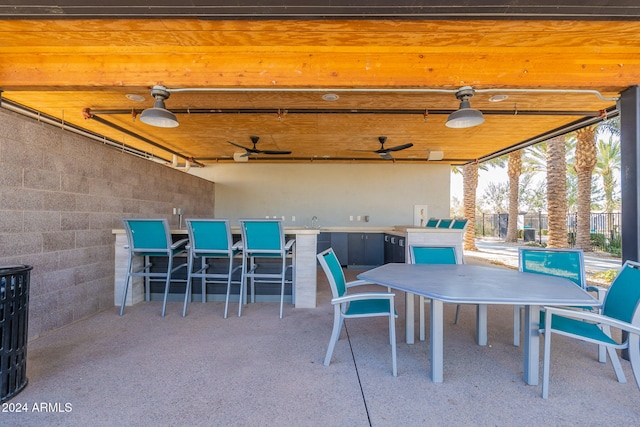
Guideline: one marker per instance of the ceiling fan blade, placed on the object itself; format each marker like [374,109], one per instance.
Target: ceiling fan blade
[238,145]
[386,156]
[400,147]
[274,152]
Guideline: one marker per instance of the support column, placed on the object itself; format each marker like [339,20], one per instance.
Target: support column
[629,106]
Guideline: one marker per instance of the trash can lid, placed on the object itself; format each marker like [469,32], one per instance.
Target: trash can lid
[10,269]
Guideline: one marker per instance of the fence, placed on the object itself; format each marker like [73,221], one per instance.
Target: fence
[605,228]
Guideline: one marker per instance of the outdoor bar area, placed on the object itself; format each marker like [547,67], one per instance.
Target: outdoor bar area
[224,215]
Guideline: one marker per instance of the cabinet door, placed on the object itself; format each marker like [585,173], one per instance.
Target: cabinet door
[388,248]
[356,249]
[324,242]
[339,244]
[399,250]
[373,249]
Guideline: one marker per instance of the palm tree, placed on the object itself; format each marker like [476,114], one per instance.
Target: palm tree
[513,171]
[608,164]
[469,186]
[557,192]
[585,162]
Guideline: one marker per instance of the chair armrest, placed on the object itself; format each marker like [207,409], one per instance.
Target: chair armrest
[289,244]
[180,243]
[364,296]
[599,290]
[593,317]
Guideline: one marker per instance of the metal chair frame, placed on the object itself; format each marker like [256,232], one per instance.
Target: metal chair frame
[151,237]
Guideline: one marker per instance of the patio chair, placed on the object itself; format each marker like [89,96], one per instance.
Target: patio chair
[263,239]
[621,310]
[350,306]
[432,223]
[431,254]
[567,263]
[445,223]
[210,240]
[151,238]
[459,224]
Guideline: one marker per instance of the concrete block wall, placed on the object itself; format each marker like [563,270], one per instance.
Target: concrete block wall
[61,195]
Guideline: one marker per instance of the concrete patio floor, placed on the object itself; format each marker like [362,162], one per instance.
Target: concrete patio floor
[257,370]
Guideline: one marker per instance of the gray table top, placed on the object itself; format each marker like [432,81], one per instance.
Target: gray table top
[474,284]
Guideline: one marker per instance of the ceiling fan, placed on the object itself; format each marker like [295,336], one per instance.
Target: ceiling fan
[254,150]
[385,153]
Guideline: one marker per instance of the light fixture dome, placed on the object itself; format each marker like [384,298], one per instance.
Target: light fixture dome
[465,116]
[159,116]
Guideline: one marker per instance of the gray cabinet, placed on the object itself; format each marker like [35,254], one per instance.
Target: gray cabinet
[365,249]
[337,241]
[394,248]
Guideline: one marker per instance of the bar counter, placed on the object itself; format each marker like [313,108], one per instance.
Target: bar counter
[305,251]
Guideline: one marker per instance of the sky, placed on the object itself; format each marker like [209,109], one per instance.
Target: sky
[495,175]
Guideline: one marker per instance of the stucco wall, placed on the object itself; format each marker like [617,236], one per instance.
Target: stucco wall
[385,192]
[60,197]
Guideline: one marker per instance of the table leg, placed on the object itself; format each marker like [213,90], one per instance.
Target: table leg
[437,340]
[409,315]
[531,344]
[481,324]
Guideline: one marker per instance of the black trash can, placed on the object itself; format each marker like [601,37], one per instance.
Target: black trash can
[14,316]
[529,235]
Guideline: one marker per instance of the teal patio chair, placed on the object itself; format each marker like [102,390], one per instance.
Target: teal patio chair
[459,224]
[151,238]
[567,263]
[621,310]
[211,242]
[264,240]
[350,306]
[432,223]
[445,223]
[431,254]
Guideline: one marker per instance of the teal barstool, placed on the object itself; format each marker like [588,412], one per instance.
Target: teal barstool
[264,240]
[211,242]
[151,238]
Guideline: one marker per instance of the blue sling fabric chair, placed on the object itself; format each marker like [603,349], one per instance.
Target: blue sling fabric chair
[350,306]
[432,223]
[431,254]
[459,224]
[567,263]
[210,240]
[445,223]
[621,310]
[151,238]
[264,239]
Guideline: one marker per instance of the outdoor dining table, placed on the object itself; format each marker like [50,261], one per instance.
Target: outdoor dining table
[474,284]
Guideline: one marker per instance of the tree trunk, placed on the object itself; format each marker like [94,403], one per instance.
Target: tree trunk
[469,186]
[586,159]
[514,170]
[557,192]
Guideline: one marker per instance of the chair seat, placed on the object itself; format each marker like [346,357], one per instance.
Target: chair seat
[373,307]
[581,329]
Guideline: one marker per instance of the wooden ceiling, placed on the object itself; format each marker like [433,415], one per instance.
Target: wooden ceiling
[266,77]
